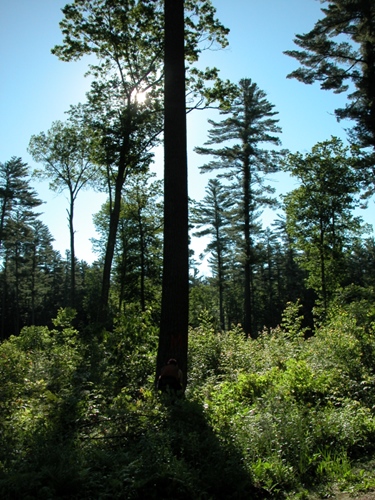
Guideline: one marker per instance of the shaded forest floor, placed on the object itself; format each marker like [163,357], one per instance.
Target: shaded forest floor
[279,417]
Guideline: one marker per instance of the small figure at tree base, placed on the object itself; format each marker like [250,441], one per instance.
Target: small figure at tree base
[170,380]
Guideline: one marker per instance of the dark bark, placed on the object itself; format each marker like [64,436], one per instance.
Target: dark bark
[323,267]
[247,325]
[72,253]
[33,288]
[220,276]
[173,340]
[114,218]
[110,249]
[142,251]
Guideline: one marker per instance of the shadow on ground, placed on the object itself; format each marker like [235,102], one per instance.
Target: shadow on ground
[150,449]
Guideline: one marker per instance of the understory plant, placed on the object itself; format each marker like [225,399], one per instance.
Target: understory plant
[300,411]
[281,416]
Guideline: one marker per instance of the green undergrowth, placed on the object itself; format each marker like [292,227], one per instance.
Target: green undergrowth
[281,416]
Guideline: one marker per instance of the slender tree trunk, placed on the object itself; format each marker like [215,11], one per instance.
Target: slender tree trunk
[123,268]
[142,244]
[322,269]
[17,319]
[369,71]
[220,277]
[33,291]
[114,217]
[2,219]
[271,301]
[221,296]
[248,250]
[72,254]
[173,339]
[110,249]
[4,295]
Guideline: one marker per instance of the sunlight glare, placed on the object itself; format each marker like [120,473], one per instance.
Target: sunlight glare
[140,97]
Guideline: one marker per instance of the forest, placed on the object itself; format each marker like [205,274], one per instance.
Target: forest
[276,343]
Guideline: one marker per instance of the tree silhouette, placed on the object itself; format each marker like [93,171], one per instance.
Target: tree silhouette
[173,338]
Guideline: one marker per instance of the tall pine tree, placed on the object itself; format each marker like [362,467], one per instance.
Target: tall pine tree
[339,52]
[211,217]
[250,122]
[173,338]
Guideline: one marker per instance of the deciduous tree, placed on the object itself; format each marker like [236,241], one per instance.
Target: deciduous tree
[65,152]
[127,39]
[137,260]
[319,213]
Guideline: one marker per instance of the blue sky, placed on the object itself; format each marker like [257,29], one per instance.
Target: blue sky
[36,89]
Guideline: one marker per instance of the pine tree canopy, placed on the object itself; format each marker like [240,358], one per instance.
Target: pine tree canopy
[339,52]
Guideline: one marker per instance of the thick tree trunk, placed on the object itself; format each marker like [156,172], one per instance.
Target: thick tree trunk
[173,340]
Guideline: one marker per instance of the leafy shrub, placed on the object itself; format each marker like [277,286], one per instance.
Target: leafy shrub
[283,398]
[276,416]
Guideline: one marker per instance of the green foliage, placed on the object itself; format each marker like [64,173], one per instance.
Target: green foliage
[283,398]
[203,302]
[279,416]
[320,218]
[26,251]
[250,121]
[212,218]
[137,260]
[128,353]
[339,53]
[292,320]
